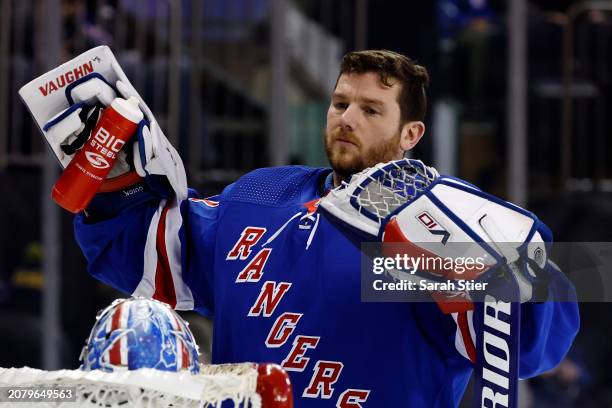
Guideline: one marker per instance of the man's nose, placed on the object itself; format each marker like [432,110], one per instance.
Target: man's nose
[348,118]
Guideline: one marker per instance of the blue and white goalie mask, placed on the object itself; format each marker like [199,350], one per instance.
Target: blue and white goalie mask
[140,333]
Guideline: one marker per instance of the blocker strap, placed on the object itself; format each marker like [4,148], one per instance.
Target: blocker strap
[90,118]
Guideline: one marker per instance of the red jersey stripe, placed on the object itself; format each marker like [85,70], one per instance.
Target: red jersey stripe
[462,322]
[164,284]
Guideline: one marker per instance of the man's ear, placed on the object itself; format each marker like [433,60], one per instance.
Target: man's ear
[410,134]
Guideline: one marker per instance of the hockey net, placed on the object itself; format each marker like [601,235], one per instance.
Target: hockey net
[243,385]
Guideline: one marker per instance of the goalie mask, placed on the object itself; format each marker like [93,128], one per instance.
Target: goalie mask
[140,333]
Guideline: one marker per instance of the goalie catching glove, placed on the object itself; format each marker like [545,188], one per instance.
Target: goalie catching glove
[437,217]
[67,119]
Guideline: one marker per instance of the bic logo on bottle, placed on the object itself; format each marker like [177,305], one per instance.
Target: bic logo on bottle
[88,169]
[106,145]
[96,160]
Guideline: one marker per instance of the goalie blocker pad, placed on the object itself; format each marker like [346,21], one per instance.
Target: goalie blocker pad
[82,81]
[46,95]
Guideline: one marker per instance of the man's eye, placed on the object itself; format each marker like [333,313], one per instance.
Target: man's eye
[340,105]
[371,111]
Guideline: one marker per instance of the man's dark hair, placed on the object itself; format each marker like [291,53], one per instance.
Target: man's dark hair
[391,65]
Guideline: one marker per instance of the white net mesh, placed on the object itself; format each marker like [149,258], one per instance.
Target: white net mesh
[391,186]
[142,388]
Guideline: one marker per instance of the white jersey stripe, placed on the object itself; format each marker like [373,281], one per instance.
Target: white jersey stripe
[470,320]
[459,344]
[146,287]
[174,221]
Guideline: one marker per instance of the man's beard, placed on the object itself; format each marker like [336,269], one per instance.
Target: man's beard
[348,160]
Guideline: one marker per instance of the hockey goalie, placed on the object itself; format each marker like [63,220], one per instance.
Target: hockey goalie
[275,258]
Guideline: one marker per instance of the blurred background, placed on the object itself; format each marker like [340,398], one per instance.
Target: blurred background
[520,104]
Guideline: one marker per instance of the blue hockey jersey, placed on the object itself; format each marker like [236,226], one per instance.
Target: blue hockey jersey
[282,281]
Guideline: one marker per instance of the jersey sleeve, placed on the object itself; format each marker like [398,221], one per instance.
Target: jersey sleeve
[148,250]
[547,329]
